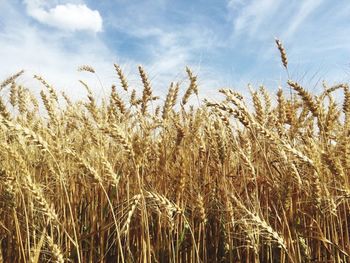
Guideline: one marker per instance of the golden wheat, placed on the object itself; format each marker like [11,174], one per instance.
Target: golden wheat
[125,179]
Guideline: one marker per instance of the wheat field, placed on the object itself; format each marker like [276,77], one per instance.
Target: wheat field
[137,178]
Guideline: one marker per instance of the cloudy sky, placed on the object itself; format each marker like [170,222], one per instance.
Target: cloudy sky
[226,42]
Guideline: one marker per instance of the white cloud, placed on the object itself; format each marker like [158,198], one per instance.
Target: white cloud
[69,17]
[44,54]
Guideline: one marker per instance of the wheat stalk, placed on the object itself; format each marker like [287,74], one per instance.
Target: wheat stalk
[11,79]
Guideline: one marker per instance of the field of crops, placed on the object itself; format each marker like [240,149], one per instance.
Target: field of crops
[137,178]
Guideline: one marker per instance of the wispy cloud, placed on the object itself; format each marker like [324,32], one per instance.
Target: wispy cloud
[70,17]
[304,10]
[248,17]
[314,32]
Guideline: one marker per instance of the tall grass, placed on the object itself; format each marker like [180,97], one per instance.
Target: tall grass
[125,180]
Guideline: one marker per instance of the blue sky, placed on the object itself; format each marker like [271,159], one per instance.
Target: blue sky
[228,43]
